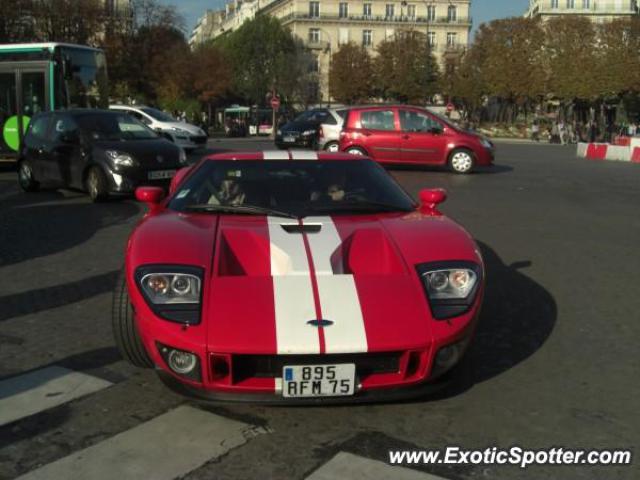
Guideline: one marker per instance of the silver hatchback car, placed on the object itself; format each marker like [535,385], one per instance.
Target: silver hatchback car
[329,134]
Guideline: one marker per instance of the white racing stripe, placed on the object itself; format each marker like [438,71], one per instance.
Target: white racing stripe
[303,155]
[275,155]
[167,447]
[347,465]
[293,292]
[40,390]
[338,294]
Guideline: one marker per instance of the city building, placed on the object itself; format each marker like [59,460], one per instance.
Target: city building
[206,27]
[324,25]
[597,10]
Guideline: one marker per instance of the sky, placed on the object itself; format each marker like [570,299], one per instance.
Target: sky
[481,10]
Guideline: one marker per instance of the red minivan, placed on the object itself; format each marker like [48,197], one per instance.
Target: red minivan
[413,135]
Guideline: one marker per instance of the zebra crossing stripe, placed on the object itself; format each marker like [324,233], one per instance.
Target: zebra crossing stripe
[354,467]
[42,389]
[163,448]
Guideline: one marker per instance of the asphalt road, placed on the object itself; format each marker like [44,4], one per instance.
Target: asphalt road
[555,363]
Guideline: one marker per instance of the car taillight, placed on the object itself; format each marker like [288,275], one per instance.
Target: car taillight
[321,133]
[343,134]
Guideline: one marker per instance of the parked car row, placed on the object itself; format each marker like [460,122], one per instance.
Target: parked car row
[389,134]
[102,152]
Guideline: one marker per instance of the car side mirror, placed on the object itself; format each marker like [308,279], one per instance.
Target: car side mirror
[177,178]
[430,198]
[152,196]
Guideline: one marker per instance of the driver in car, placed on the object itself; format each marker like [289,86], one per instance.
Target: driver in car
[230,193]
[335,190]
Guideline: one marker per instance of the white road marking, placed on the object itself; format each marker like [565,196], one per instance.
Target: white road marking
[353,467]
[164,448]
[40,390]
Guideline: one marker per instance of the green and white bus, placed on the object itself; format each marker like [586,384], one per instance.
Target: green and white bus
[36,77]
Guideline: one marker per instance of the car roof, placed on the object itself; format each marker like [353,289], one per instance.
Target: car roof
[284,155]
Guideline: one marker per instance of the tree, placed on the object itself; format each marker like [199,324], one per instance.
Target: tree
[350,76]
[569,50]
[72,21]
[405,68]
[618,54]
[15,24]
[265,56]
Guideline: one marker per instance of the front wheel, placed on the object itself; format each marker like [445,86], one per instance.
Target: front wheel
[332,147]
[461,161]
[26,178]
[356,151]
[124,328]
[96,185]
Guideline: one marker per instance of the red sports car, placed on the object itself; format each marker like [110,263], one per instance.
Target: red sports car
[296,277]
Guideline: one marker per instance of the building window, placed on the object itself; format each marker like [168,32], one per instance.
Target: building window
[366,10]
[367,38]
[389,10]
[432,39]
[554,3]
[314,9]
[452,39]
[314,66]
[314,35]
[411,11]
[571,4]
[431,13]
[586,4]
[452,13]
[343,36]
[343,10]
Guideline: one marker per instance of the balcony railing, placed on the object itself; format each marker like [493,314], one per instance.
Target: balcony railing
[377,18]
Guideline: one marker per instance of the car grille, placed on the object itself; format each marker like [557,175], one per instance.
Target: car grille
[201,140]
[270,366]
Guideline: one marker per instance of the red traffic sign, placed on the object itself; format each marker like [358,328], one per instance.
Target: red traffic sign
[275,103]
[450,107]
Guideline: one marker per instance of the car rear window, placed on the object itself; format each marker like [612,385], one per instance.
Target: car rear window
[38,127]
[377,120]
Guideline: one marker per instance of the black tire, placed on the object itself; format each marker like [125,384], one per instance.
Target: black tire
[26,178]
[333,147]
[124,327]
[96,184]
[462,161]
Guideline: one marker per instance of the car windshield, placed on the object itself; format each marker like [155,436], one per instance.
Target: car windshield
[298,188]
[158,115]
[318,116]
[114,126]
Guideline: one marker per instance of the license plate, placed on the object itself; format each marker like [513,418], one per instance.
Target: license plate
[289,139]
[300,381]
[161,174]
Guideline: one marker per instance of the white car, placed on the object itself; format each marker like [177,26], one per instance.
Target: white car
[183,134]
[329,133]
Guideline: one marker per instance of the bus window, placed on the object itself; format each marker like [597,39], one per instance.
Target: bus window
[9,138]
[86,78]
[33,93]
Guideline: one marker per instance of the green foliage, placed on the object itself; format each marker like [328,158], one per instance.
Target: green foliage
[405,68]
[351,74]
[264,56]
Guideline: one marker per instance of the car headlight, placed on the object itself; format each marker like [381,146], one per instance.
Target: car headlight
[120,159]
[306,133]
[172,292]
[279,132]
[183,156]
[179,131]
[451,287]
[486,143]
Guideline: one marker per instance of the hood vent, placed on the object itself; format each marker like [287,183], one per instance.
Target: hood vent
[306,228]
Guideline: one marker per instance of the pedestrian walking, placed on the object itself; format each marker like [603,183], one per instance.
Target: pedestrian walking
[535,131]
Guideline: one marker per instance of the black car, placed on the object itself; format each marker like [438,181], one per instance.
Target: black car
[99,151]
[303,131]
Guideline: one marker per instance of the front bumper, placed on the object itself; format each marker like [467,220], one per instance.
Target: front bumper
[363,396]
[125,181]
